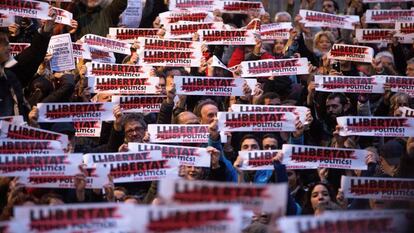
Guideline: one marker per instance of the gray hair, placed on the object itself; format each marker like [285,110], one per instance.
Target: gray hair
[283,13]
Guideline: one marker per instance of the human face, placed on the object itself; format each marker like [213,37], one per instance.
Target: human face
[208,113]
[249,144]
[270,144]
[274,101]
[192,173]
[162,84]
[56,201]
[410,70]
[386,61]
[401,103]
[282,18]
[324,44]
[102,97]
[4,52]
[119,195]
[93,3]
[319,195]
[328,7]
[334,108]
[278,47]
[134,131]
[292,179]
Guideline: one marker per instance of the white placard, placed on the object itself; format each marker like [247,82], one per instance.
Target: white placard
[170,133]
[105,158]
[25,8]
[206,5]
[389,16]
[256,122]
[194,16]
[218,86]
[349,84]
[30,147]
[321,19]
[275,31]
[129,86]
[102,56]
[375,1]
[239,7]
[406,111]
[405,32]
[115,70]
[257,159]
[130,35]
[81,51]
[374,36]
[132,15]
[87,128]
[170,58]
[167,45]
[274,67]
[16,120]
[60,46]
[63,16]
[69,112]
[17,48]
[227,37]
[400,83]
[189,156]
[142,104]
[6,20]
[353,53]
[376,126]
[312,157]
[182,30]
[106,44]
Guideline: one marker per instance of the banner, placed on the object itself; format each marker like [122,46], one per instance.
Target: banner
[95,178]
[40,165]
[349,84]
[102,56]
[81,51]
[376,126]
[105,158]
[350,221]
[132,15]
[369,36]
[275,31]
[69,112]
[405,32]
[6,20]
[389,16]
[115,70]
[25,8]
[141,104]
[105,44]
[14,131]
[96,217]
[202,218]
[129,86]
[377,188]
[194,16]
[60,46]
[257,159]
[218,86]
[170,58]
[297,110]
[375,1]
[184,29]
[205,5]
[354,53]
[399,83]
[176,133]
[321,19]
[167,45]
[256,122]
[63,16]
[87,128]
[312,157]
[188,156]
[16,120]
[227,37]
[274,67]
[33,147]
[130,35]
[17,48]
[270,198]
[406,112]
[239,7]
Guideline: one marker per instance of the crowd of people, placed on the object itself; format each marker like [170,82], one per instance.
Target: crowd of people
[27,80]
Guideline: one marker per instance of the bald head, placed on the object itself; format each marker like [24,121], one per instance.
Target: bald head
[186,118]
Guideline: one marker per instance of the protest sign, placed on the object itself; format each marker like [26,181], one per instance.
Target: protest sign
[13,131]
[120,85]
[239,7]
[16,120]
[404,32]
[217,63]
[377,188]
[256,122]
[368,36]
[130,35]
[275,31]
[63,16]
[60,46]
[182,29]
[178,58]
[376,126]
[6,20]
[104,158]
[205,5]
[194,16]
[389,16]
[87,128]
[106,44]
[95,178]
[297,110]
[353,53]
[142,104]
[406,111]
[25,8]
[349,84]
[167,45]
[189,156]
[131,17]
[375,1]
[321,19]
[40,165]
[227,37]
[274,67]
[17,48]
[115,70]
[271,198]
[102,56]
[399,83]
[81,51]
[69,112]
[257,159]
[176,133]
[30,147]
[312,157]
[218,86]
[96,217]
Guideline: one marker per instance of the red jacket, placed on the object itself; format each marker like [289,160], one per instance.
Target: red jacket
[238,56]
